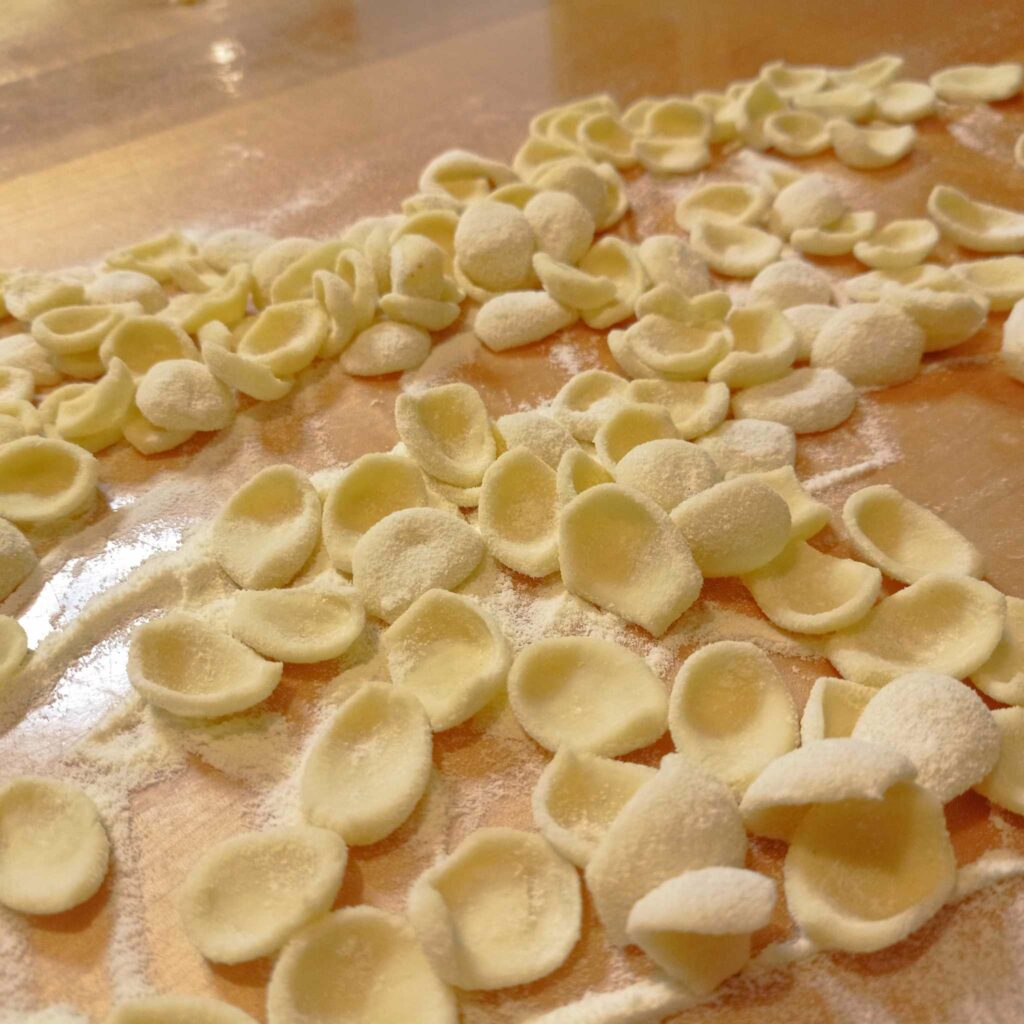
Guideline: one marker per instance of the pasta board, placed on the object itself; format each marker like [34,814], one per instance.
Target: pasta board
[950,439]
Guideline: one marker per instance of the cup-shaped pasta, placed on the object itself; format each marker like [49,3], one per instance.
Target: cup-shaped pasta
[860,896]
[246,896]
[807,400]
[836,239]
[105,405]
[579,795]
[16,384]
[588,694]
[807,320]
[70,330]
[1000,280]
[668,471]
[734,250]
[183,665]
[904,102]
[854,102]
[697,927]
[174,1009]
[17,559]
[763,347]
[295,281]
[832,709]
[669,260]
[630,426]
[978,83]
[448,651]
[44,479]
[696,407]
[268,529]
[385,347]
[586,400]
[732,202]
[436,226]
[947,312]
[409,552]
[1002,676]
[796,133]
[147,438]
[156,256]
[898,244]
[464,175]
[493,246]
[141,342]
[811,201]
[228,247]
[502,909]
[750,446]
[28,294]
[447,431]
[974,224]
[605,137]
[682,819]
[122,286]
[1004,785]
[571,286]
[519,513]
[577,472]
[286,337]
[23,352]
[869,149]
[246,374]
[182,394]
[56,851]
[947,624]
[616,260]
[367,769]
[520,318]
[678,351]
[868,287]
[355,270]
[871,73]
[49,410]
[563,227]
[870,344]
[536,154]
[620,551]
[790,80]
[791,283]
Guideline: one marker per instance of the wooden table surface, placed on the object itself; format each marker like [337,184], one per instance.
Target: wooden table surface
[121,118]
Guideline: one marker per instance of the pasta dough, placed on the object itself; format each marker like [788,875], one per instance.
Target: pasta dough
[587,400]
[268,529]
[847,894]
[732,202]
[668,471]
[668,260]
[502,909]
[676,350]
[355,966]
[17,559]
[185,666]
[588,694]
[246,896]
[763,347]
[696,407]
[734,250]
[177,1010]
[796,133]
[904,539]
[1002,676]
[54,851]
[374,486]
[244,373]
[832,709]
[939,724]
[448,651]
[542,435]
[366,771]
[681,820]
[44,479]
[448,432]
[836,239]
[697,927]
[620,551]
[807,400]
[811,201]
[946,312]
[870,344]
[300,626]
[731,712]
[807,516]
[286,337]
[181,394]
[410,552]
[519,513]
[104,406]
[947,624]
[629,427]
[974,224]
[618,261]
[734,527]
[579,795]
[577,471]
[141,342]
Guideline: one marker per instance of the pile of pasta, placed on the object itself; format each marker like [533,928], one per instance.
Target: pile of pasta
[633,488]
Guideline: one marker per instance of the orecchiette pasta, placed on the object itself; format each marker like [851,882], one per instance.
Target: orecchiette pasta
[832,709]
[176,1010]
[182,394]
[974,224]
[45,479]
[807,400]
[978,83]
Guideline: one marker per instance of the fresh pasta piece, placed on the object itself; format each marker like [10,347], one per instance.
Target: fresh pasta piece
[616,260]
[273,260]
[81,365]
[807,515]
[464,175]
[299,626]
[750,446]
[158,256]
[789,80]
[763,347]
[1000,279]
[367,769]
[337,299]
[562,226]
[246,896]
[807,320]
[17,559]
[447,431]
[796,133]
[122,286]
[588,694]
[828,771]
[268,529]
[45,479]
[182,394]
[807,400]
[668,471]
[357,964]
[869,149]
[978,83]
[904,102]
[76,330]
[183,665]
[18,418]
[898,244]
[147,438]
[946,312]
[937,723]
[754,105]
[16,384]
[227,248]
[620,551]
[385,347]
[631,426]
[105,405]
[537,154]
[1004,785]
[836,239]
[847,894]
[681,820]
[696,407]
[974,224]
[631,364]
[177,1010]
[226,301]
[672,155]
[805,591]
[494,243]
[732,202]
[734,250]
[791,283]
[734,527]
[417,267]
[246,374]
[870,344]
[55,851]
[1012,348]
[409,552]
[904,539]
[295,281]
[707,309]
[570,286]
[832,709]
[355,270]
[543,435]
[286,337]
[812,201]
[947,624]
[49,410]
[1002,676]
[29,294]
[731,712]
[519,513]
[697,926]
[448,651]
[871,73]
[579,795]
[668,260]
[678,350]
[520,318]
[23,352]
[502,909]
[141,342]
[604,137]
[868,287]
[854,101]
[13,647]
[586,400]
[576,473]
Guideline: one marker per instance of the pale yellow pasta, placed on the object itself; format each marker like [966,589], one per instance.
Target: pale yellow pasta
[676,350]
[74,330]
[832,709]
[629,426]
[355,270]
[157,256]
[493,246]
[286,337]
[576,472]
[295,281]
[536,154]
[182,394]
[668,471]
[903,102]
[16,384]
[123,286]
[898,244]
[102,406]
[978,83]
[44,479]
[49,410]
[13,639]
[184,665]
[17,561]
[176,1010]
[731,202]
[616,260]
[668,260]
[750,446]
[807,515]
[1000,279]
[790,80]
[81,365]
[1002,676]
[1004,785]
[604,137]
[563,227]
[870,344]
[855,102]
[838,238]
[246,374]
[796,133]
[807,319]
[18,418]
[620,551]
[141,342]
[1012,348]
[570,286]
[337,300]
[871,73]
[871,148]
[520,318]
[23,352]
[464,175]
[946,312]
[763,347]
[974,224]
[586,400]
[754,105]
[228,247]
[596,186]
[735,250]
[696,407]
[28,294]
[812,201]
[807,400]
[385,347]
[147,438]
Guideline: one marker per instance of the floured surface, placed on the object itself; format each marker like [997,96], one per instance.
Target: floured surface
[950,439]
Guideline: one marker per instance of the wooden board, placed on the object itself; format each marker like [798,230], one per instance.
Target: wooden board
[124,118]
